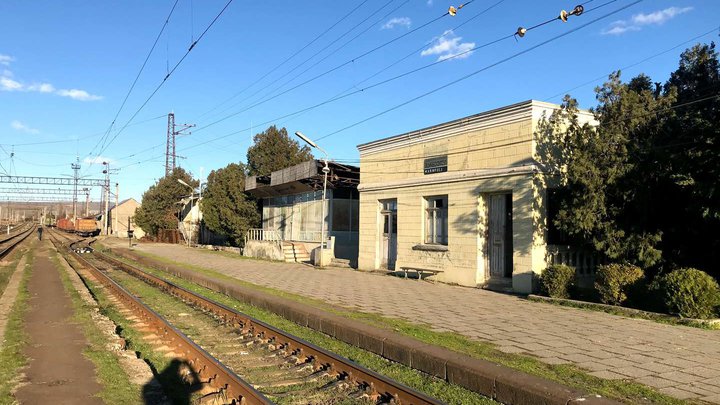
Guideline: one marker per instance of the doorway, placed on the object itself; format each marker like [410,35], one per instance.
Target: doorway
[388,231]
[500,236]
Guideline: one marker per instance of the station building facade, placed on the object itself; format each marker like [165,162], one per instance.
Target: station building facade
[467,197]
[292,211]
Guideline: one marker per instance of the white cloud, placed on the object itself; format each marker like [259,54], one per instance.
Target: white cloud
[19,126]
[76,94]
[97,160]
[636,22]
[6,59]
[41,87]
[8,84]
[659,17]
[448,46]
[397,21]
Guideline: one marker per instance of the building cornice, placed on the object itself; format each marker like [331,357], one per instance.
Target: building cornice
[530,110]
[451,177]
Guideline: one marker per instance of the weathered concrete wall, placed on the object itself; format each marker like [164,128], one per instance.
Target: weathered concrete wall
[263,250]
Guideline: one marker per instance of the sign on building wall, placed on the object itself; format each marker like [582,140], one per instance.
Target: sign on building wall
[436,164]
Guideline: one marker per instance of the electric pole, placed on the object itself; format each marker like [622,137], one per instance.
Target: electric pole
[117,203]
[170,151]
[76,175]
[106,190]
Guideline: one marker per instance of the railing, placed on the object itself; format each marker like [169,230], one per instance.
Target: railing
[270,235]
[584,261]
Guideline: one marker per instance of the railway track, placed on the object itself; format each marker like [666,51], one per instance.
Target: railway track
[277,366]
[8,243]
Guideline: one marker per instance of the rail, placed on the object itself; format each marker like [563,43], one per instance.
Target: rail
[13,241]
[584,261]
[379,386]
[230,386]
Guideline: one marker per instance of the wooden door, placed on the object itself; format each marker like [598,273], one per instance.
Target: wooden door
[500,235]
[389,233]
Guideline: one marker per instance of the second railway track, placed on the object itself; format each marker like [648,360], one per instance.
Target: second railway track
[281,368]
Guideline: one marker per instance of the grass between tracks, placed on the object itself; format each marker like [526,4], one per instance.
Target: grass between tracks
[116,386]
[434,387]
[569,375]
[160,365]
[12,358]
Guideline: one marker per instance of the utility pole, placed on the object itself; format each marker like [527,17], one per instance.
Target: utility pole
[117,204]
[170,150]
[87,201]
[106,187]
[76,174]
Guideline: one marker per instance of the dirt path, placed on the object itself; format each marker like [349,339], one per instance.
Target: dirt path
[8,296]
[58,372]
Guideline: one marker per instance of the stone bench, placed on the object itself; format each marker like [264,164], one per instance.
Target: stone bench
[419,270]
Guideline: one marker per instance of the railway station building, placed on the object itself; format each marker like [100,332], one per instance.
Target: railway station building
[466,200]
[292,214]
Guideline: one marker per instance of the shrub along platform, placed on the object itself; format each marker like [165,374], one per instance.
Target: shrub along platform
[631,312]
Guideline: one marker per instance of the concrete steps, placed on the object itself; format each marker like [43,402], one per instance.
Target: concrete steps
[295,252]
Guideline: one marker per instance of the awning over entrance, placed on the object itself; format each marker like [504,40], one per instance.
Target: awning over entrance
[301,178]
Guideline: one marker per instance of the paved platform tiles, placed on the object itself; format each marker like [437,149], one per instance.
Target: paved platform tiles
[57,371]
[680,361]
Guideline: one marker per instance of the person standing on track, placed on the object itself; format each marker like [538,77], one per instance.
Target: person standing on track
[40,231]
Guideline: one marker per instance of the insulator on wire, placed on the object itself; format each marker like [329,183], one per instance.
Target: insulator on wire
[453,10]
[521,31]
[578,10]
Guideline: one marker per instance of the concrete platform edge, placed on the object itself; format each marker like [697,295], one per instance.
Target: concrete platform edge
[495,381]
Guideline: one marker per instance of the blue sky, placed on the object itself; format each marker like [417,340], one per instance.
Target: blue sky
[65,68]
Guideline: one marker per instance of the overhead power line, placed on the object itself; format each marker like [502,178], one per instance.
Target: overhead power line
[436,89]
[137,77]
[333,69]
[325,48]
[286,60]
[463,78]
[167,76]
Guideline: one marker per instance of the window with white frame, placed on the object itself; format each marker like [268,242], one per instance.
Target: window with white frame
[436,220]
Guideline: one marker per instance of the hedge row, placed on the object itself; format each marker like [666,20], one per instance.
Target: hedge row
[689,293]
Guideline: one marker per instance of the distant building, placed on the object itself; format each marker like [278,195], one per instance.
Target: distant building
[466,197]
[291,201]
[118,217]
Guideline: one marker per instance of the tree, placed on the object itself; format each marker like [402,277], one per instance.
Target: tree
[160,207]
[600,204]
[227,210]
[274,150]
[688,157]
[641,186]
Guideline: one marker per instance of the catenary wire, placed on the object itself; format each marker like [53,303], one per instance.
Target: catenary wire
[446,85]
[331,53]
[286,60]
[515,55]
[333,69]
[167,76]
[102,140]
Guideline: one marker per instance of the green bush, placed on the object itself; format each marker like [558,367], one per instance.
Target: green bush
[690,293]
[557,281]
[615,282]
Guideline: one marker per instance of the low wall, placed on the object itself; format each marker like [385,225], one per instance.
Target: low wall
[263,249]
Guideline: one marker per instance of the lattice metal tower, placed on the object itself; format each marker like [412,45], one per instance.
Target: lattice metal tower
[172,132]
[76,176]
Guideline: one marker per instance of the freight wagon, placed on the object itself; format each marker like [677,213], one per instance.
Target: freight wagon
[86,227]
[66,225]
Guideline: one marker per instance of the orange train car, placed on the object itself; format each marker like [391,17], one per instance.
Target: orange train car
[66,225]
[86,227]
